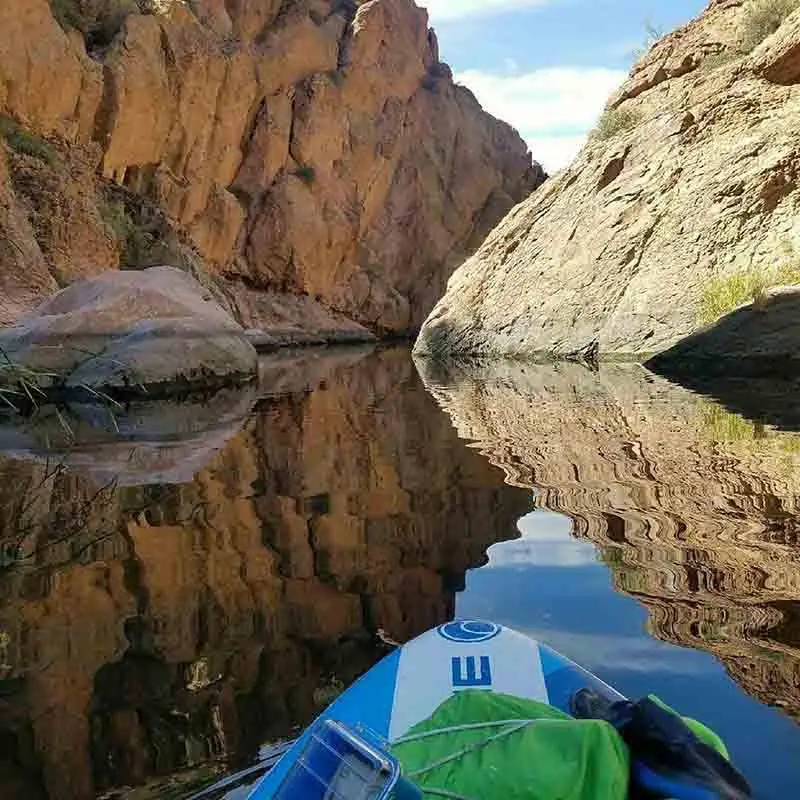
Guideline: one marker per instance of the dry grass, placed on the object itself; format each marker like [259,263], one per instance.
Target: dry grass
[762,18]
[717,60]
[615,121]
[725,293]
[721,425]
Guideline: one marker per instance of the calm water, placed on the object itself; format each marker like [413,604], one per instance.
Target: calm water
[184,584]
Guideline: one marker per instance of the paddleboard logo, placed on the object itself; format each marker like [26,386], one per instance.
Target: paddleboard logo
[468,631]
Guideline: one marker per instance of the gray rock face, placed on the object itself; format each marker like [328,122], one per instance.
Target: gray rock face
[123,330]
[693,177]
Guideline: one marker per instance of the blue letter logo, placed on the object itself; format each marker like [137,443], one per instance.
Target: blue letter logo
[465,675]
[469,631]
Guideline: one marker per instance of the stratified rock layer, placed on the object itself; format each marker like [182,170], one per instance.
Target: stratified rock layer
[692,177]
[694,508]
[317,149]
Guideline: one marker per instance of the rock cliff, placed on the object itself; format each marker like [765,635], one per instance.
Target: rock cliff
[685,197]
[161,627]
[693,507]
[315,150]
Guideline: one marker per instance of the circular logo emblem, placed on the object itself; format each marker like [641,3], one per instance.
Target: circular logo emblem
[469,631]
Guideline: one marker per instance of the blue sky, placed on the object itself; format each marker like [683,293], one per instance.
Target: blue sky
[548,66]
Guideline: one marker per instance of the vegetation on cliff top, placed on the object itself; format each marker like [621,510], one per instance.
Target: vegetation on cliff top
[615,121]
[762,18]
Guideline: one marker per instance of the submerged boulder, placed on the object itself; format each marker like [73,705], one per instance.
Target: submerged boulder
[130,332]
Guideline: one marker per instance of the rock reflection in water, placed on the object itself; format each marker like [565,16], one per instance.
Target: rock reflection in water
[694,508]
[148,628]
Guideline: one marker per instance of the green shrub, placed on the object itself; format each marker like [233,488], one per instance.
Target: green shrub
[615,121]
[99,21]
[116,218]
[25,143]
[68,14]
[306,173]
[762,18]
[143,243]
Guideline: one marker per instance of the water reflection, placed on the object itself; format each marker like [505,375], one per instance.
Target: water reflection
[194,580]
[687,506]
[152,622]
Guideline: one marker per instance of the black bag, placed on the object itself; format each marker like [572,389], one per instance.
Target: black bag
[668,760]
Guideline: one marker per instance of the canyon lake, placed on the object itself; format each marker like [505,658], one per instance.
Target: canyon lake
[184,584]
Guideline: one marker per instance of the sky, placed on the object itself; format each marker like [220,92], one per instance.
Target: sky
[548,66]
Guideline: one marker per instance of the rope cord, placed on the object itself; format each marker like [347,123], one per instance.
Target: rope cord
[415,737]
[445,793]
[471,748]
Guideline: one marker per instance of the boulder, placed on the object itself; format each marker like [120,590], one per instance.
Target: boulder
[129,331]
[691,178]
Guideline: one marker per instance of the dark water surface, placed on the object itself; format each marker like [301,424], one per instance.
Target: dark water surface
[183,584]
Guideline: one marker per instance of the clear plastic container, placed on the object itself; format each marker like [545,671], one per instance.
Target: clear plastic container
[341,763]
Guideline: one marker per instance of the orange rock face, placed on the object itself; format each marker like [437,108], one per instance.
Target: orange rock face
[179,624]
[322,151]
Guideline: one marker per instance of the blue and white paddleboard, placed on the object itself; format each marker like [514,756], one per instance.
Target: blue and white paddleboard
[408,685]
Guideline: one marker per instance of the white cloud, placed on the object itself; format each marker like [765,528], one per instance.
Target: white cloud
[440,10]
[545,541]
[554,108]
[600,652]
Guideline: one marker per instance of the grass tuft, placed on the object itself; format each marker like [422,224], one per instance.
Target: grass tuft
[724,293]
[25,143]
[762,18]
[615,121]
